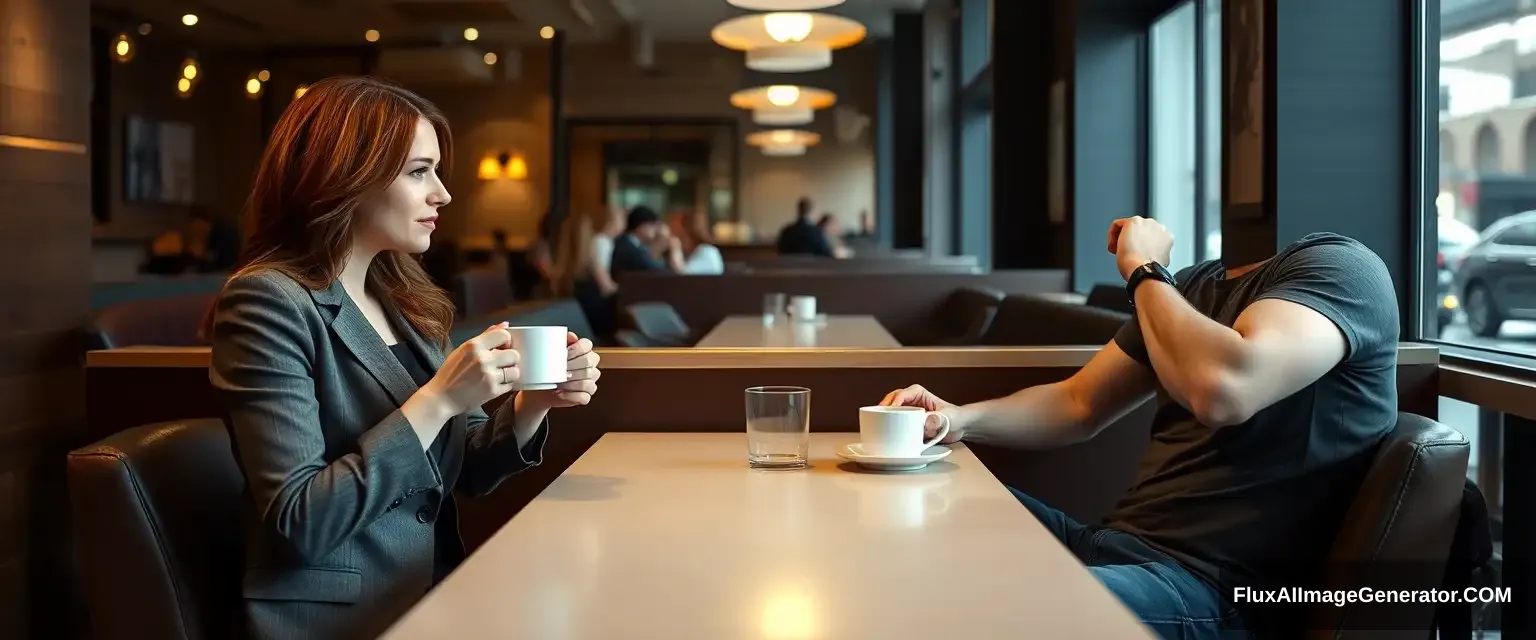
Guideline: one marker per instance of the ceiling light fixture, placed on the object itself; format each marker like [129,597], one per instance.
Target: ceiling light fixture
[783,105]
[189,19]
[371,35]
[145,28]
[788,42]
[783,142]
[300,91]
[122,48]
[471,34]
[184,87]
[781,95]
[788,27]
[190,69]
[263,75]
[783,5]
[546,32]
[490,58]
[253,87]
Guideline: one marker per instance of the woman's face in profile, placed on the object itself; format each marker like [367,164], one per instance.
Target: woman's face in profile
[403,216]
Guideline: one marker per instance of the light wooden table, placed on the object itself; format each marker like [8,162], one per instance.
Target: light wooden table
[834,332]
[671,536]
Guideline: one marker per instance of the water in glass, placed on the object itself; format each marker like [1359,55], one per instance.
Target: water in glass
[778,427]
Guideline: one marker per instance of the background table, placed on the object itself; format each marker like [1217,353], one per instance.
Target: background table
[834,332]
[671,536]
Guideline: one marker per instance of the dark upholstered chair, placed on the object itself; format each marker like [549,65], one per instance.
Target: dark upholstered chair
[966,316]
[173,321]
[1398,532]
[1028,321]
[480,290]
[660,323]
[1109,296]
[157,520]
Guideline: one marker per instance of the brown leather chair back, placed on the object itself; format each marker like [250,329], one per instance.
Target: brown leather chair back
[157,520]
[481,290]
[969,315]
[1029,321]
[1398,532]
[173,321]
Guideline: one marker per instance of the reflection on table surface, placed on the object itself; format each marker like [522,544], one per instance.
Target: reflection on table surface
[828,331]
[672,536]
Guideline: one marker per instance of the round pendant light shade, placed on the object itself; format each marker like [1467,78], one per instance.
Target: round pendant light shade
[761,30]
[790,58]
[783,5]
[783,104]
[783,142]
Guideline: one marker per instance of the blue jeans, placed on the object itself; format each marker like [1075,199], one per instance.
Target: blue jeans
[1167,598]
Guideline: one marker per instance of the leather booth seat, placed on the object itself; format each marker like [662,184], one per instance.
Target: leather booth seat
[157,520]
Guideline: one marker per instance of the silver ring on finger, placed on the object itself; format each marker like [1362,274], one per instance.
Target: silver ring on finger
[504,375]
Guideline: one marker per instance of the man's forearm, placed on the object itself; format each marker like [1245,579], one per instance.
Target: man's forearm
[1190,352]
[1040,417]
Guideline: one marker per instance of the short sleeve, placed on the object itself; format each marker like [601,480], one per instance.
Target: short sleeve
[1129,337]
[1345,282]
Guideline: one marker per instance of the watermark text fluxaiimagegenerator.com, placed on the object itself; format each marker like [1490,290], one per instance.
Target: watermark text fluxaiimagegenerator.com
[1341,597]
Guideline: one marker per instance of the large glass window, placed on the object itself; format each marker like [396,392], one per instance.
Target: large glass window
[1184,128]
[1210,158]
[1484,281]
[1172,132]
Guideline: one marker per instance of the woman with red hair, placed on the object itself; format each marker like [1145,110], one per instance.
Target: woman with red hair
[351,415]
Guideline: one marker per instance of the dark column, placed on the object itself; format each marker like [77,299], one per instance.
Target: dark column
[1108,126]
[559,138]
[885,145]
[1025,61]
[908,78]
[45,256]
[1320,138]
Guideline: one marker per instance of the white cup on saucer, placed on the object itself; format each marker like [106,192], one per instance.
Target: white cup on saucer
[803,308]
[541,357]
[897,432]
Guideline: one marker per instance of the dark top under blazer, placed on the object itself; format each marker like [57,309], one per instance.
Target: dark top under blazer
[343,500]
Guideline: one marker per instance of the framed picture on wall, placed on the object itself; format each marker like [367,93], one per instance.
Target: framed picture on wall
[158,162]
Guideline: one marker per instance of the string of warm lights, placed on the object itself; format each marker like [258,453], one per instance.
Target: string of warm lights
[190,73]
[787,36]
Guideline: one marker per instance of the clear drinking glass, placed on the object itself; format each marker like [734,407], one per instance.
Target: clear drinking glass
[774,307]
[778,427]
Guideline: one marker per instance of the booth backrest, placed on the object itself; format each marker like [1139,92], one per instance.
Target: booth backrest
[907,304]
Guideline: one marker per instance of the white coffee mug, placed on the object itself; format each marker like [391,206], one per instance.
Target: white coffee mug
[541,357]
[897,431]
[802,308]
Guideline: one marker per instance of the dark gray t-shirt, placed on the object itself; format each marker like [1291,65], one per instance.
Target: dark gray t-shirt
[1257,504]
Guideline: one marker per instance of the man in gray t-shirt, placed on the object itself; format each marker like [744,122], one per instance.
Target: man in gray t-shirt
[1274,383]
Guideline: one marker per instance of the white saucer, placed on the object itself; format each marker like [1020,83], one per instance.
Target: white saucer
[853,453]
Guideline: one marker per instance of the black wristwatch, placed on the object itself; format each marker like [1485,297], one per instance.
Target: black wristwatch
[1151,270]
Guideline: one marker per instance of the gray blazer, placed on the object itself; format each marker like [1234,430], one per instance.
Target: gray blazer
[340,529]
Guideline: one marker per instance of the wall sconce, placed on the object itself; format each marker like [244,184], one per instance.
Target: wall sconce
[504,165]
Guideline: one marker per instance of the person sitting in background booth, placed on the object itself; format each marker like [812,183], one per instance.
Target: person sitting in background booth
[646,245]
[612,219]
[832,230]
[1275,383]
[803,237]
[581,274]
[353,418]
[693,232]
[213,244]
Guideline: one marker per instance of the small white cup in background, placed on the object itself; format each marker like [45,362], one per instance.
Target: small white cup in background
[541,357]
[897,432]
[803,308]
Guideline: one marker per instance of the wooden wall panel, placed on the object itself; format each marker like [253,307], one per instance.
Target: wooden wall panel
[45,230]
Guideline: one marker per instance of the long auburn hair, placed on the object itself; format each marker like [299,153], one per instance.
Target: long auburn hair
[573,249]
[345,139]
